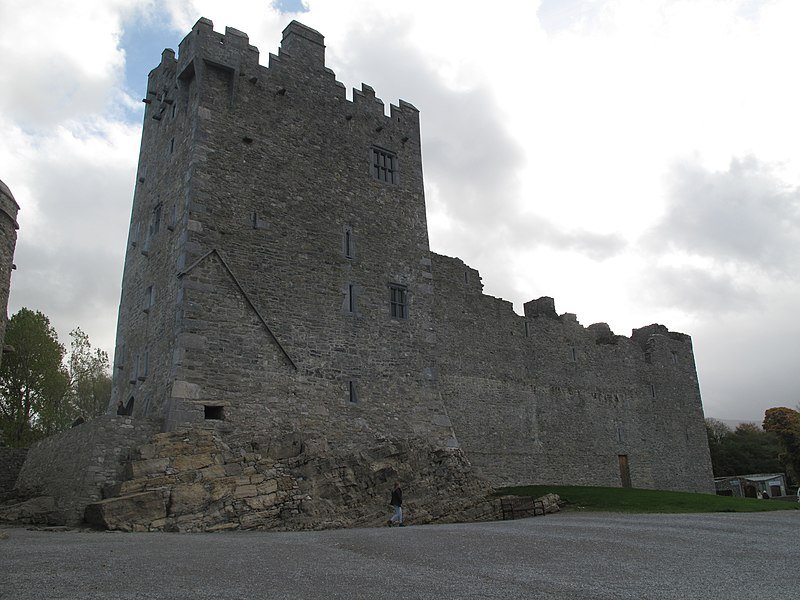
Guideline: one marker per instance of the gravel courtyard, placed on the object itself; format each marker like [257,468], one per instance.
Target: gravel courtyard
[567,555]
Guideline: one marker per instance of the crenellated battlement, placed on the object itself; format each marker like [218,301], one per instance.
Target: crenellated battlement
[297,68]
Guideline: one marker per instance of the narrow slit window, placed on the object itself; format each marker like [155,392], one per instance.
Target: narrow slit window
[352,392]
[351,298]
[348,242]
[172,145]
[144,359]
[155,220]
[527,330]
[652,390]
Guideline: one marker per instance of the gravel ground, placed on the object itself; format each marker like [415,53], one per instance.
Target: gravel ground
[568,555]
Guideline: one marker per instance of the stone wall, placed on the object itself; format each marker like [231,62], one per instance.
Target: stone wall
[8,241]
[11,460]
[194,480]
[77,465]
[541,399]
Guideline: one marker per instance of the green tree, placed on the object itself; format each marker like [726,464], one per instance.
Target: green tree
[747,449]
[33,380]
[785,424]
[90,382]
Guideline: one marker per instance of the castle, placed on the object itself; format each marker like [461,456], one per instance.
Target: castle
[278,276]
[288,345]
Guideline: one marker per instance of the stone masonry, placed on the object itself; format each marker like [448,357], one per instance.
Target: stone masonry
[8,241]
[279,285]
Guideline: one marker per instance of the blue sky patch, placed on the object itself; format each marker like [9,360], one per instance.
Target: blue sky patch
[289,6]
[143,41]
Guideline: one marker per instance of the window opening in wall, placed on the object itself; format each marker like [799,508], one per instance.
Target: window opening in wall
[574,354]
[174,109]
[173,217]
[674,357]
[527,330]
[213,413]
[352,392]
[653,390]
[119,356]
[172,145]
[351,298]
[143,365]
[466,277]
[135,235]
[134,370]
[620,433]
[149,298]
[398,301]
[155,221]
[384,165]
[348,242]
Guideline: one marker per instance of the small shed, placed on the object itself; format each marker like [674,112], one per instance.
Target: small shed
[752,485]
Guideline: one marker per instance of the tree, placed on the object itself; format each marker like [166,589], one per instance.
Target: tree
[41,390]
[33,380]
[747,449]
[90,382]
[785,424]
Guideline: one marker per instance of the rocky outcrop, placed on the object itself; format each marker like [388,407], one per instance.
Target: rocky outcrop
[41,510]
[193,480]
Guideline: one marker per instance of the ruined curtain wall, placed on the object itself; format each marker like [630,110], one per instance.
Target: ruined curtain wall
[541,399]
[75,465]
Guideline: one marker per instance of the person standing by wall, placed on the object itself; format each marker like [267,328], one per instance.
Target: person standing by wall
[397,503]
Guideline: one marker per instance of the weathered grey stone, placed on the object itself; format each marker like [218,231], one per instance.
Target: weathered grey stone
[38,510]
[134,512]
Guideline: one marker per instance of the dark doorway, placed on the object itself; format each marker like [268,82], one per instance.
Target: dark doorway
[624,470]
[129,406]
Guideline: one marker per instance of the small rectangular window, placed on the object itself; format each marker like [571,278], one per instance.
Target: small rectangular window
[134,235]
[398,301]
[134,369]
[173,217]
[352,392]
[174,109]
[653,390]
[149,298]
[172,145]
[213,413]
[155,219]
[574,354]
[119,357]
[527,330]
[144,359]
[384,165]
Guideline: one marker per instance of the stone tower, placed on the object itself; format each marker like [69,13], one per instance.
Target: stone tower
[278,274]
[8,241]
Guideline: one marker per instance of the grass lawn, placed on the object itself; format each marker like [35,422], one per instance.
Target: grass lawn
[646,501]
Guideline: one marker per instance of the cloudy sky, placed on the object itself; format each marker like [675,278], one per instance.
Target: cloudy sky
[637,160]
